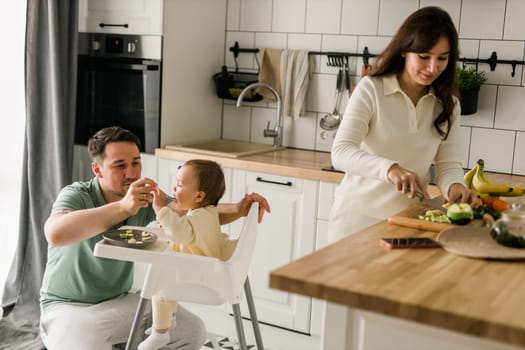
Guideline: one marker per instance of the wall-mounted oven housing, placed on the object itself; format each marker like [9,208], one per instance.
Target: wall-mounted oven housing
[119,83]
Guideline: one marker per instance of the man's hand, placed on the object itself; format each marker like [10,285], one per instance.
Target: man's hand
[139,195]
[246,203]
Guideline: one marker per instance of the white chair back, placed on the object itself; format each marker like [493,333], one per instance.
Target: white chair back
[202,279]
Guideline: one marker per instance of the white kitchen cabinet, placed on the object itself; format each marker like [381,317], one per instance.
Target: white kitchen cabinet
[120,16]
[326,199]
[285,234]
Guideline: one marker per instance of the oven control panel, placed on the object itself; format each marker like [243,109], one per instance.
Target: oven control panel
[99,44]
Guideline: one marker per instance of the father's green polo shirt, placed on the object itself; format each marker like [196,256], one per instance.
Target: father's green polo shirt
[73,273]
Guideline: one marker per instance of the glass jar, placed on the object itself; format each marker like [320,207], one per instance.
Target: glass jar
[509,230]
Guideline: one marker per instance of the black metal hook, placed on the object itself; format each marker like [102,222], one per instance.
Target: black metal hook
[366,56]
[513,73]
[492,61]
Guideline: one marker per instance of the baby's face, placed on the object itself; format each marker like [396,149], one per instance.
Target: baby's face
[186,192]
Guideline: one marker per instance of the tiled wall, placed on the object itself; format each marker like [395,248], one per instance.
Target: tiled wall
[495,133]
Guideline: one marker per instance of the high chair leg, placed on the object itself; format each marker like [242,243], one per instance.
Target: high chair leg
[253,314]
[239,327]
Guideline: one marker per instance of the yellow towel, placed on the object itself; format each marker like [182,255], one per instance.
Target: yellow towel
[270,72]
[295,79]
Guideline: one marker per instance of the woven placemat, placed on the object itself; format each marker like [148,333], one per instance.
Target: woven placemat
[476,242]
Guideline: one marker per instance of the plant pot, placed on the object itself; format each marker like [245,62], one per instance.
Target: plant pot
[469,101]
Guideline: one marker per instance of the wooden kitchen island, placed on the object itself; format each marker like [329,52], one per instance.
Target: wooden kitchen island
[411,298]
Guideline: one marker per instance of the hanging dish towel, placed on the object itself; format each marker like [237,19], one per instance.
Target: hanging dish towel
[270,72]
[295,79]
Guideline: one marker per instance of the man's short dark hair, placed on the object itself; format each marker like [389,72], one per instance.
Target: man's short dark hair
[97,143]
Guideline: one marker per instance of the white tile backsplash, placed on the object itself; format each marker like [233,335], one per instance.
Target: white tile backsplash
[234,15]
[495,147]
[514,24]
[360,17]
[323,16]
[289,16]
[350,25]
[256,15]
[484,117]
[465,134]
[236,123]
[482,19]
[393,13]
[510,108]
[519,155]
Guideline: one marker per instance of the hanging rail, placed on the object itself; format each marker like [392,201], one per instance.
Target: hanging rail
[492,61]
[366,54]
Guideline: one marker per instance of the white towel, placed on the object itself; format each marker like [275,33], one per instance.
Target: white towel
[295,79]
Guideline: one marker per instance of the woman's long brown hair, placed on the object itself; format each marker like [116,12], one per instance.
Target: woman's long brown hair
[418,34]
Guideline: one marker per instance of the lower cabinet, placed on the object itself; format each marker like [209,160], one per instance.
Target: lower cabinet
[285,234]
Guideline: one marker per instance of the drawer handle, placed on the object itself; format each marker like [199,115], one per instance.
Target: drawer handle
[287,183]
[102,25]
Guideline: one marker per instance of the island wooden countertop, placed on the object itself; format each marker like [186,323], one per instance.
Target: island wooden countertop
[429,286]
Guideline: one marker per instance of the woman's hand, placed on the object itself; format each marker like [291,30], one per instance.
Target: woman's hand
[406,181]
[459,193]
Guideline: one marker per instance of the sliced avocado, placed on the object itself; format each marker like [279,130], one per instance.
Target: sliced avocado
[460,213]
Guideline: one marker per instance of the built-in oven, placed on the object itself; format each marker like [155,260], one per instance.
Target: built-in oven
[119,83]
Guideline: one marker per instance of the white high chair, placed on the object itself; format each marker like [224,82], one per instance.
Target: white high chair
[207,280]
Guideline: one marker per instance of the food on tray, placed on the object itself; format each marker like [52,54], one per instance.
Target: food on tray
[130,238]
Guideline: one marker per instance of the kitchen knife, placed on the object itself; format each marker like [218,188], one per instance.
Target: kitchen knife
[434,203]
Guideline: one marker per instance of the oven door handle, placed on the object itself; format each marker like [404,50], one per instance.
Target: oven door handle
[130,66]
[127,66]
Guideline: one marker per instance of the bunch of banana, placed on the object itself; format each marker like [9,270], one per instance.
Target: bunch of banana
[477,181]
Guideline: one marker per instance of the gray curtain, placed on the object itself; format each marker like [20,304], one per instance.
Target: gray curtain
[50,85]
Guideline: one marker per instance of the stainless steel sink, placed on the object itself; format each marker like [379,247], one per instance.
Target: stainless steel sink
[225,148]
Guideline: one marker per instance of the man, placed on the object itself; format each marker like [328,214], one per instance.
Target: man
[84,299]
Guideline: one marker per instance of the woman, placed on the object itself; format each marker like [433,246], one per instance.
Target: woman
[400,120]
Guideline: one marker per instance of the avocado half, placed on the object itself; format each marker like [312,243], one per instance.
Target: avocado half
[460,213]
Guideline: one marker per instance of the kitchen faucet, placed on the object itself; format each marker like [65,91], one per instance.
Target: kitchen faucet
[277,132]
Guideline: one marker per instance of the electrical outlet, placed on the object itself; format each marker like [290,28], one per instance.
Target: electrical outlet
[324,140]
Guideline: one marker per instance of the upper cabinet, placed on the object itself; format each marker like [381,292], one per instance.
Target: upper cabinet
[120,16]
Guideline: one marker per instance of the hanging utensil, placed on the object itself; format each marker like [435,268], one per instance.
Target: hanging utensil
[331,121]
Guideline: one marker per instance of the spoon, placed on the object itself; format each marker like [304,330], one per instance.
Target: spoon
[332,121]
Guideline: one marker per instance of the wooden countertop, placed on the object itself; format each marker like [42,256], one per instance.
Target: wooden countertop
[295,162]
[288,162]
[430,286]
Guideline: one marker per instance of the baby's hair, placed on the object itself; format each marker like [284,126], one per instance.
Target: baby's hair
[210,179]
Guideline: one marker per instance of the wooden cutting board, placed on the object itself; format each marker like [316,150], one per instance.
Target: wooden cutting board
[410,218]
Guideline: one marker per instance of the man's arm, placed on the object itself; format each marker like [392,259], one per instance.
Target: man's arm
[68,227]
[72,226]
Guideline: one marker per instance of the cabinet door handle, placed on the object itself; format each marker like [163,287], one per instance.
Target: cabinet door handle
[287,183]
[102,25]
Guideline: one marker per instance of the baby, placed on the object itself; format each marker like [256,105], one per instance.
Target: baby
[191,222]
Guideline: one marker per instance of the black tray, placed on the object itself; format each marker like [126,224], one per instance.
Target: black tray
[113,237]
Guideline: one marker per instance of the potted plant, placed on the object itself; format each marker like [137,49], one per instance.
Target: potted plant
[469,80]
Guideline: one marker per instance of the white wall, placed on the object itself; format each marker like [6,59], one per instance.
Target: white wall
[12,120]
[495,133]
